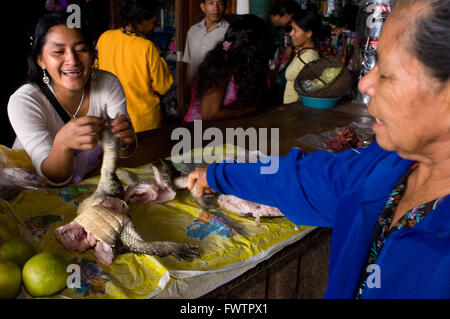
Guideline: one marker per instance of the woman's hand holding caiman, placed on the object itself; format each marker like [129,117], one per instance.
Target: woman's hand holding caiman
[122,128]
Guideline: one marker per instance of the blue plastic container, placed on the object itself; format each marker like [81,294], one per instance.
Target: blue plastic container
[319,103]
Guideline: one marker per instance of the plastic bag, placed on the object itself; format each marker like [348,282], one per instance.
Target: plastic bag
[370,20]
[17,172]
[321,141]
[328,75]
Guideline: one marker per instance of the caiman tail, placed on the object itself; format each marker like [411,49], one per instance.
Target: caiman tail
[109,184]
[134,242]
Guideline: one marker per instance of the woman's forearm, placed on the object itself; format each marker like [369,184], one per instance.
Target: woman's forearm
[58,166]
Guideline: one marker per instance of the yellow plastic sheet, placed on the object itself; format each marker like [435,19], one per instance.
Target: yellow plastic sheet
[230,244]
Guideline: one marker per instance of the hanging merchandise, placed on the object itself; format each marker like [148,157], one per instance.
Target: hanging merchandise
[371,17]
[340,44]
[330,8]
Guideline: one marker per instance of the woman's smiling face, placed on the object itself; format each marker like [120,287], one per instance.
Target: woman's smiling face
[66,57]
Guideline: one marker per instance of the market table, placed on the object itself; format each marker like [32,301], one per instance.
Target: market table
[239,258]
[299,270]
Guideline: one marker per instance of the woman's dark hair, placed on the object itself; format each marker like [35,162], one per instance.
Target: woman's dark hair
[48,21]
[310,20]
[429,36]
[282,7]
[246,60]
[135,11]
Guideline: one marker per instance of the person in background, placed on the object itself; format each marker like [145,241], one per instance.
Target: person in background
[280,16]
[307,29]
[282,12]
[232,80]
[57,115]
[203,36]
[136,61]
[388,204]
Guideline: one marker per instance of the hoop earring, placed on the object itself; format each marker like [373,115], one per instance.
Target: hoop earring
[45,78]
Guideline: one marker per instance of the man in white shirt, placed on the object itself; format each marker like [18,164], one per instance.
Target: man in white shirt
[203,36]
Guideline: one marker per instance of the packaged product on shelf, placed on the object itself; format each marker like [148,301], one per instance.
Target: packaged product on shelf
[371,17]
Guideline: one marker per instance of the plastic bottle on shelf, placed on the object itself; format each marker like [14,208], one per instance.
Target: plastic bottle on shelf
[370,20]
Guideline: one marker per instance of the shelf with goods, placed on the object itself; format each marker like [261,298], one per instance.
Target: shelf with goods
[164,37]
[340,16]
[342,44]
[356,27]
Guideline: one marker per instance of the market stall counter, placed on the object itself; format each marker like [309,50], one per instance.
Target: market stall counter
[240,259]
[300,270]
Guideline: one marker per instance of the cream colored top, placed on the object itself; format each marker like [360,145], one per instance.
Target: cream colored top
[292,71]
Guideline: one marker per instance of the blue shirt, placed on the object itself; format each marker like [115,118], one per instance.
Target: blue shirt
[347,192]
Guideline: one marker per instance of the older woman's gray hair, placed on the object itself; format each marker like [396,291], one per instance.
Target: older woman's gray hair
[427,34]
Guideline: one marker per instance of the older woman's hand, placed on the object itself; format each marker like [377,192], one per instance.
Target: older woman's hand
[198,180]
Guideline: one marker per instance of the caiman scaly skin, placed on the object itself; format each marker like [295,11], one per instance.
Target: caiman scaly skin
[100,220]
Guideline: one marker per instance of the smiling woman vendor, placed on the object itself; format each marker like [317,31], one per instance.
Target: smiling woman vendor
[388,204]
[56,115]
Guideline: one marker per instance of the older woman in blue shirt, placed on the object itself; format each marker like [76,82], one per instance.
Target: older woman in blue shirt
[388,204]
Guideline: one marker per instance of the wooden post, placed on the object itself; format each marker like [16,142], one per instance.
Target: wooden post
[181,20]
[114,14]
[231,8]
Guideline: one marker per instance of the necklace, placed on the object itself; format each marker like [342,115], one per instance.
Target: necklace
[74,116]
[125,31]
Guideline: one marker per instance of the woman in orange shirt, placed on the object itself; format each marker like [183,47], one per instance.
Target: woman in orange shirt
[135,60]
